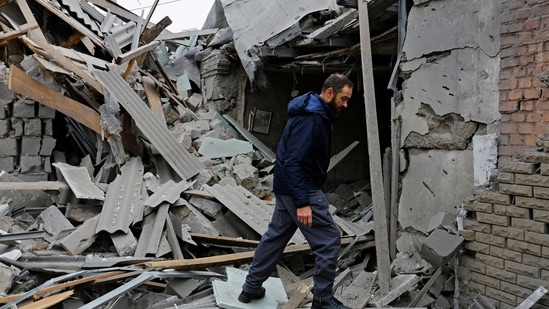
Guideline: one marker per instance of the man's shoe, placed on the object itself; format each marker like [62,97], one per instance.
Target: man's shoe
[248,297]
[328,303]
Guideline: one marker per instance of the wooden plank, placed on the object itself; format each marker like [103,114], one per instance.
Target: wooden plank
[299,294]
[38,38]
[73,283]
[132,54]
[153,97]
[48,301]
[224,240]
[374,154]
[425,288]
[6,36]
[227,259]
[37,185]
[25,85]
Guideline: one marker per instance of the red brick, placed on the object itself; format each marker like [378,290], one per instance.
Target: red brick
[508,106]
[532,24]
[526,128]
[508,128]
[515,94]
[533,117]
[525,82]
[532,94]
[527,106]
[517,139]
[523,13]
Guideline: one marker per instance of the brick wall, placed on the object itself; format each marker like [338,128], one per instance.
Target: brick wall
[524,99]
[506,254]
[26,136]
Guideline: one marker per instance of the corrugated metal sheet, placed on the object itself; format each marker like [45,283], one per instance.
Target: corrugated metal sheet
[183,163]
[74,7]
[248,207]
[169,192]
[123,198]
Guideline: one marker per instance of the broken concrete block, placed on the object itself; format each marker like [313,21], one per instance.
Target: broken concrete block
[399,285]
[30,146]
[208,207]
[192,217]
[8,147]
[30,164]
[6,278]
[440,247]
[244,172]
[5,127]
[442,220]
[195,100]
[32,127]
[17,127]
[48,127]
[23,109]
[48,144]
[7,164]
[53,221]
[45,112]
[196,128]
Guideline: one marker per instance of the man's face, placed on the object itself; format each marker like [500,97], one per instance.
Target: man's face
[338,101]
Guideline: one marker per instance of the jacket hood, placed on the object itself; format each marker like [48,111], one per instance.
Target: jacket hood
[311,103]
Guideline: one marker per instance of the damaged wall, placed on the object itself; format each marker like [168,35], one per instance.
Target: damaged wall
[506,227]
[449,96]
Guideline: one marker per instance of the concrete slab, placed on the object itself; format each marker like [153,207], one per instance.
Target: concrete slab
[440,247]
[431,174]
[226,293]
[218,148]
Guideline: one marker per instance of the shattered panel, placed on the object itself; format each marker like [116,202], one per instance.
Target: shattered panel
[464,82]
[248,207]
[436,180]
[254,22]
[169,192]
[446,25]
[79,181]
[183,163]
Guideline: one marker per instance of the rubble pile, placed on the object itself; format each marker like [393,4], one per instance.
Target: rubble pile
[122,186]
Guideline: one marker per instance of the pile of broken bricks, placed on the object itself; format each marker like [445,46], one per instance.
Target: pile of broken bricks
[168,204]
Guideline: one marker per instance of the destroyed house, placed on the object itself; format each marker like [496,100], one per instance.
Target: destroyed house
[136,163]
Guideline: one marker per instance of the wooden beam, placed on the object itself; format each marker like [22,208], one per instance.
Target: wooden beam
[37,185]
[153,98]
[25,85]
[38,38]
[48,302]
[8,35]
[227,259]
[374,153]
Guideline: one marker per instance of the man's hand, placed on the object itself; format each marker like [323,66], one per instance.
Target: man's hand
[305,216]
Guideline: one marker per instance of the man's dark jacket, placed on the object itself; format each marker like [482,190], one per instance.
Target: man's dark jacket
[303,154]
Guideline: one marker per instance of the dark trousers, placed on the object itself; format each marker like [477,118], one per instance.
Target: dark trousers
[323,238]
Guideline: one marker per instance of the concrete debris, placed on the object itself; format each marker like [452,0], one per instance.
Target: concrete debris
[156,180]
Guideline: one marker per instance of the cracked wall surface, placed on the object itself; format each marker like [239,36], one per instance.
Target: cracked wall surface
[450,94]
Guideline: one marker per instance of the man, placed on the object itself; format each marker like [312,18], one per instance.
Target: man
[302,160]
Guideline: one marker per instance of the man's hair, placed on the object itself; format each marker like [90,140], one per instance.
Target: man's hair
[337,81]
